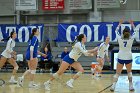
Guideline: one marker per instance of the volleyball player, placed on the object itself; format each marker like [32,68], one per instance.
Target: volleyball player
[31,56]
[101,52]
[9,55]
[125,54]
[71,60]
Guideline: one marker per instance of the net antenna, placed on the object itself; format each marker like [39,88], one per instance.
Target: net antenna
[123,1]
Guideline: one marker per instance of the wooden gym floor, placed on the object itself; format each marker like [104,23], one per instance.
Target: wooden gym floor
[85,84]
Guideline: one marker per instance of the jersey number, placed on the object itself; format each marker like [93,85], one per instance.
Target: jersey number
[125,43]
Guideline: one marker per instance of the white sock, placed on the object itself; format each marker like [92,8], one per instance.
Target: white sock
[49,81]
[31,82]
[12,77]
[71,80]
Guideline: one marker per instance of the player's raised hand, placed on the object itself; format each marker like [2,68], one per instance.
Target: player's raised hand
[131,22]
[121,21]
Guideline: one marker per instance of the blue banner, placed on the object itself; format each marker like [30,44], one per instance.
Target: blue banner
[23,31]
[94,31]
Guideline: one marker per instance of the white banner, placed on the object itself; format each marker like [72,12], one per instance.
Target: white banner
[80,4]
[26,5]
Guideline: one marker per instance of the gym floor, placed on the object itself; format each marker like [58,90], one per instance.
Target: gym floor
[85,84]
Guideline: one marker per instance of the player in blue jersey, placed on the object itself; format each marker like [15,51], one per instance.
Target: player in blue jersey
[125,54]
[71,60]
[31,56]
[10,55]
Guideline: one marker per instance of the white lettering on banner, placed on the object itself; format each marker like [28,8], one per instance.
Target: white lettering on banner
[109,28]
[68,32]
[96,30]
[10,29]
[89,31]
[22,32]
[39,36]
[137,34]
[1,36]
[26,34]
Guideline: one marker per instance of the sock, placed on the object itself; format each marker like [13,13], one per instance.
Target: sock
[71,80]
[49,81]
[31,82]
[12,77]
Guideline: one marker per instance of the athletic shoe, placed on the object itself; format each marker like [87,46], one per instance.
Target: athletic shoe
[12,81]
[112,87]
[20,81]
[131,88]
[69,84]
[47,85]
[33,85]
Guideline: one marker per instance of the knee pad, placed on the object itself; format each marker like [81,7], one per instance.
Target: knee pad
[79,73]
[16,68]
[33,71]
[129,74]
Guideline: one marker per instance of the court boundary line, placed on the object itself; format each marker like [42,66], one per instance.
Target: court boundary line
[105,88]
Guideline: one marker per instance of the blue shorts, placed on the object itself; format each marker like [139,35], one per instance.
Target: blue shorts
[68,59]
[124,61]
[28,56]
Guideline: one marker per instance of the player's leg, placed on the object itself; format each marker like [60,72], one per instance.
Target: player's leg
[2,61]
[80,70]
[64,65]
[116,76]
[15,65]
[32,67]
[129,72]
[27,72]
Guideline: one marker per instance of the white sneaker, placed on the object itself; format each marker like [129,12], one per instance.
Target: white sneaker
[12,81]
[20,81]
[112,87]
[131,88]
[69,84]
[33,85]
[47,85]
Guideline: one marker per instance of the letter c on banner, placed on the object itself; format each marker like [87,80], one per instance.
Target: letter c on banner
[26,34]
[68,32]
[89,32]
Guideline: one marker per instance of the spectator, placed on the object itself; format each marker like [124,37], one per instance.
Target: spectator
[46,62]
[64,53]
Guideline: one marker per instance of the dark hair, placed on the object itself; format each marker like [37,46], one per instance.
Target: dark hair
[12,33]
[78,38]
[126,33]
[33,32]
[6,39]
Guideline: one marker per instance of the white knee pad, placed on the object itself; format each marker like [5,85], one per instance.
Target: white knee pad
[129,74]
[16,68]
[33,71]
[79,73]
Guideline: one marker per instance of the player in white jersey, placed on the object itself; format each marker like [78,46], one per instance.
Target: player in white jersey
[71,60]
[102,50]
[9,55]
[125,55]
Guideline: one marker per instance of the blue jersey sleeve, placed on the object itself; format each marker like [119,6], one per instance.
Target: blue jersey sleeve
[33,41]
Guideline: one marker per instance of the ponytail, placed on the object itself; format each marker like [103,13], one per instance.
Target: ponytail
[11,34]
[78,38]
[33,33]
